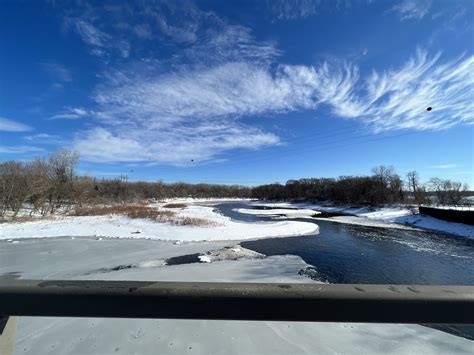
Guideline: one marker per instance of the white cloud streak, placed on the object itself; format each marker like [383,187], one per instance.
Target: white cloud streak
[412,9]
[57,71]
[108,28]
[19,149]
[99,41]
[398,98]
[8,125]
[45,138]
[71,113]
[292,9]
[231,43]
[90,34]
[445,166]
[172,146]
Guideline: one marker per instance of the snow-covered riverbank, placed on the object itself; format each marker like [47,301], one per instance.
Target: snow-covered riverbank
[389,217]
[223,228]
[119,226]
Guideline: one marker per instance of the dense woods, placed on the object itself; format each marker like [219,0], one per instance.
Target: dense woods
[52,183]
[383,187]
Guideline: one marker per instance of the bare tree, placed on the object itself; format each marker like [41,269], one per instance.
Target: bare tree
[10,173]
[388,187]
[414,186]
[18,185]
[455,193]
[61,174]
[40,185]
[447,192]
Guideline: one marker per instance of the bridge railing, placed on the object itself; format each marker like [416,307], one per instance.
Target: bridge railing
[239,301]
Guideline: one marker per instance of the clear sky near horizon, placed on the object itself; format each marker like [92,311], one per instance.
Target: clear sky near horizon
[240,92]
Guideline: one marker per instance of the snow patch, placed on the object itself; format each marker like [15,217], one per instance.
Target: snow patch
[204,258]
[230,253]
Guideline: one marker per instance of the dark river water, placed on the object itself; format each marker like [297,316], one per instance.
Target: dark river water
[343,253]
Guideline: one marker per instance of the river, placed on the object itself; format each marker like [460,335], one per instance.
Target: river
[343,253]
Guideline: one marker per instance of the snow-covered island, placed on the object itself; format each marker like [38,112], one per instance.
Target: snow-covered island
[214,227]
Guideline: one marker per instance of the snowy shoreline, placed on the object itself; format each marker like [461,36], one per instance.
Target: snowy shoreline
[225,228]
[398,217]
[119,226]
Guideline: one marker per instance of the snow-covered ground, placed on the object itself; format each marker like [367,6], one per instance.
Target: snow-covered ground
[89,258]
[390,217]
[119,226]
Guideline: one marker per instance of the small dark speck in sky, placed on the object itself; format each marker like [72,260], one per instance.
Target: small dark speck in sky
[429,108]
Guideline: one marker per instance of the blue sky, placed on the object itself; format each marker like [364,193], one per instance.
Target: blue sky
[241,92]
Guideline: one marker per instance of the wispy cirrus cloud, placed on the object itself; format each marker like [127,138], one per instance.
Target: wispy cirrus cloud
[444,166]
[90,34]
[195,113]
[99,41]
[208,95]
[109,28]
[20,149]
[189,113]
[45,138]
[8,125]
[164,17]
[412,9]
[57,71]
[181,146]
[292,9]
[397,98]
[229,43]
[71,113]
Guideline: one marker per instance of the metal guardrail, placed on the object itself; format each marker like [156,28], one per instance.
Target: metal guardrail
[239,301]
[451,215]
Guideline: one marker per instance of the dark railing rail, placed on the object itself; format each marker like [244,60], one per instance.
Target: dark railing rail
[239,301]
[452,215]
